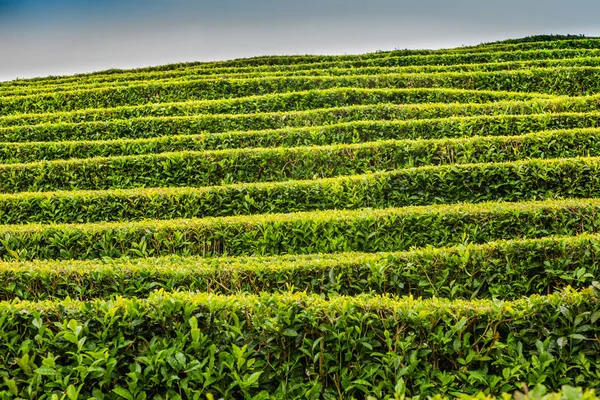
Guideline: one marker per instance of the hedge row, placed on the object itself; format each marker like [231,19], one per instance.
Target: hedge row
[566,81]
[183,118]
[448,60]
[504,269]
[222,167]
[308,100]
[297,346]
[513,181]
[311,73]
[334,70]
[346,132]
[278,102]
[210,89]
[365,230]
[253,74]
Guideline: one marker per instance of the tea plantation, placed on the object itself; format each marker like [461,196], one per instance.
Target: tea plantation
[395,224]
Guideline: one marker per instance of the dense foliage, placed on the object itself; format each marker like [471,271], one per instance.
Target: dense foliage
[392,225]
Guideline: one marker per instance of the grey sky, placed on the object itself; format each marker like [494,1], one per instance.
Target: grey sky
[53,37]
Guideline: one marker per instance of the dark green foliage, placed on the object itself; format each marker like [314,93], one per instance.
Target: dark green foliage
[317,102]
[292,346]
[404,224]
[108,123]
[538,38]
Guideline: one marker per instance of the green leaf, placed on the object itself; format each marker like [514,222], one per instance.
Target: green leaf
[12,386]
[400,387]
[123,393]
[290,332]
[361,382]
[45,371]
[252,379]
[72,392]
[538,391]
[37,322]
[180,357]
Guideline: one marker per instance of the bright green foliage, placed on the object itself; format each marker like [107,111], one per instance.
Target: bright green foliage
[474,183]
[404,224]
[278,164]
[293,345]
[334,69]
[257,120]
[365,230]
[539,392]
[503,269]
[262,106]
[349,132]
[566,81]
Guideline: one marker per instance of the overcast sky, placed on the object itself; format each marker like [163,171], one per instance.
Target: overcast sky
[55,37]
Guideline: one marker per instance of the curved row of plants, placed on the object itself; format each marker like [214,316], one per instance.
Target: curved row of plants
[502,270]
[406,223]
[281,102]
[230,166]
[180,118]
[474,183]
[573,81]
[314,71]
[330,231]
[331,134]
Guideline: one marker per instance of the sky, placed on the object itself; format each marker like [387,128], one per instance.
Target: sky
[59,37]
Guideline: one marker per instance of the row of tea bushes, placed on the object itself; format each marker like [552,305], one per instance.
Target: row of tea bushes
[364,230]
[296,345]
[500,270]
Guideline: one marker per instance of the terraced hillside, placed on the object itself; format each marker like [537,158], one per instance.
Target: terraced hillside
[402,223]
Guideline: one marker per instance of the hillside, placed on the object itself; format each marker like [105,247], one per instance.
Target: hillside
[403,223]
